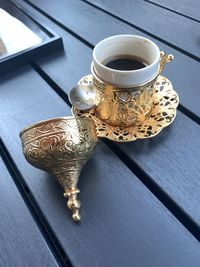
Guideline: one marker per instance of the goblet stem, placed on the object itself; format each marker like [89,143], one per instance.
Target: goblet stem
[73,203]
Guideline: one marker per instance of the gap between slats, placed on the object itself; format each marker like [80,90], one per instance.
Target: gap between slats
[116,17]
[164,198]
[35,211]
[169,9]
[134,26]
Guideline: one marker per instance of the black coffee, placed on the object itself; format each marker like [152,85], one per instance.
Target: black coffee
[126,63]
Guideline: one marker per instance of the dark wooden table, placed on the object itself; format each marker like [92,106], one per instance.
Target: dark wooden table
[141,200]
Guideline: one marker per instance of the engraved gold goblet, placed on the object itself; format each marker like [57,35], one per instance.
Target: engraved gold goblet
[61,146]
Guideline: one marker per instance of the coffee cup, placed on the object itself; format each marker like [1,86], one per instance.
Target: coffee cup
[124,73]
[125,69]
[126,60]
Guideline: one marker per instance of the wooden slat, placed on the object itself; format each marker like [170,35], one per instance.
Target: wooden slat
[123,224]
[189,8]
[171,27]
[183,71]
[21,243]
[172,161]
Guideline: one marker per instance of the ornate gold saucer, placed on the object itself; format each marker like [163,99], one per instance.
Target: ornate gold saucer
[163,112]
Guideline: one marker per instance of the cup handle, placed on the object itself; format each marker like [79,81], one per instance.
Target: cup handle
[164,59]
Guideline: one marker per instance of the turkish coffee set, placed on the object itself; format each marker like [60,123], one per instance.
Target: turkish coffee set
[119,104]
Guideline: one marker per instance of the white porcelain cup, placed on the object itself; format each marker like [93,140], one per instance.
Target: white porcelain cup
[126,45]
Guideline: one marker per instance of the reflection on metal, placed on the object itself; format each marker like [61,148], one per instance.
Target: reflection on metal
[83,95]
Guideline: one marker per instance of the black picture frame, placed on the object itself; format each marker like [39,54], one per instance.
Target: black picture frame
[51,42]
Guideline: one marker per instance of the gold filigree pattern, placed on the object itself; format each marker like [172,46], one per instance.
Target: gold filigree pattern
[122,106]
[163,112]
[61,146]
